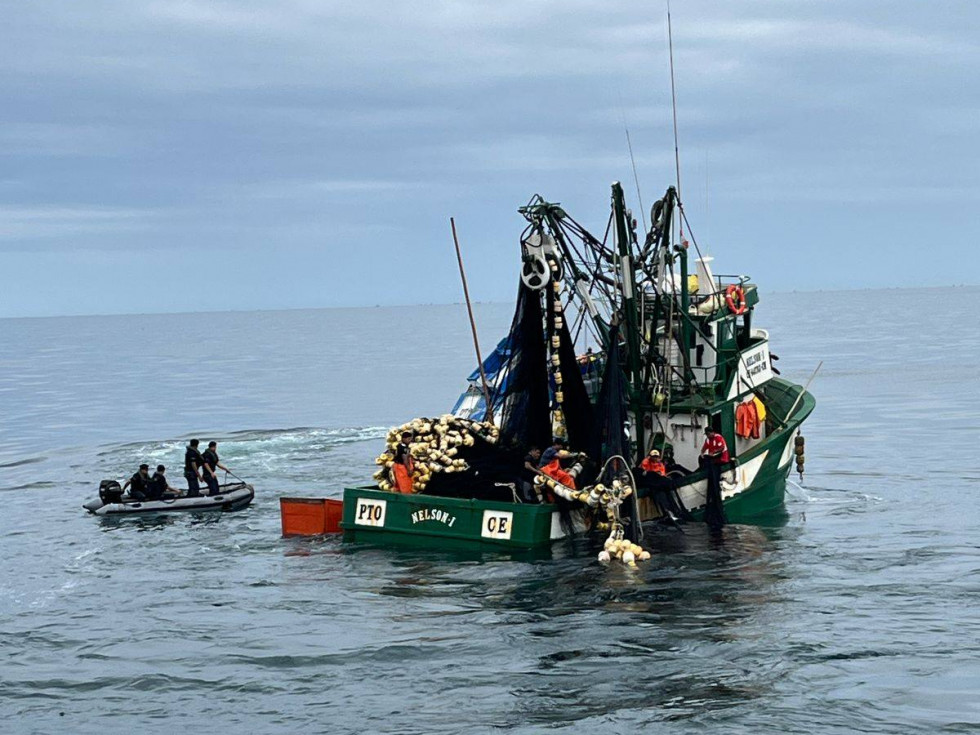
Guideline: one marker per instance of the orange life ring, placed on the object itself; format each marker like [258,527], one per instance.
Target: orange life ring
[735,298]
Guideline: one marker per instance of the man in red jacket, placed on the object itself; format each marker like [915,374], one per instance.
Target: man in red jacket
[714,446]
[714,453]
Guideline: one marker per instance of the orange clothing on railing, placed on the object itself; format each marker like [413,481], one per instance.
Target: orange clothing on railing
[747,420]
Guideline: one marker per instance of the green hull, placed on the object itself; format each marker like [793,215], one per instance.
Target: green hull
[383,517]
[760,477]
[756,497]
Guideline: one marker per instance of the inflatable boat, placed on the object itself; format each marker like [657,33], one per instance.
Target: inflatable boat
[111,501]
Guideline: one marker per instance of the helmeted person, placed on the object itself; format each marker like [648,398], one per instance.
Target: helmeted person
[158,486]
[404,464]
[193,469]
[212,464]
[652,464]
[138,483]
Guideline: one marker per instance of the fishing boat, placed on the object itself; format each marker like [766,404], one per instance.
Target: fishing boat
[618,345]
[112,503]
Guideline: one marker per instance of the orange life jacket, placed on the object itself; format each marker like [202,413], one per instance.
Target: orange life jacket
[653,465]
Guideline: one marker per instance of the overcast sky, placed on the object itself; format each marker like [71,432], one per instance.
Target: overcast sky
[186,156]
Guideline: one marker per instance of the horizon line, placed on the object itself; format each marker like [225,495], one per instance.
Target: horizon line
[433,303]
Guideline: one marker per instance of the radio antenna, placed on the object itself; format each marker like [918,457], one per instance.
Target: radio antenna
[673,99]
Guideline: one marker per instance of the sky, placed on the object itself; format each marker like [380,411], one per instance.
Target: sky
[231,154]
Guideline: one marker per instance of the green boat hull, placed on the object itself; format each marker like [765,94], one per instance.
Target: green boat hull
[754,495]
[379,517]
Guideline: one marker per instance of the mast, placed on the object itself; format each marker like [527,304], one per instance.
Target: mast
[681,248]
[628,288]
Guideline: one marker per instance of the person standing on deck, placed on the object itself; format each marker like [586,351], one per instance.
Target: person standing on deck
[211,465]
[714,447]
[528,474]
[404,464]
[193,464]
[714,453]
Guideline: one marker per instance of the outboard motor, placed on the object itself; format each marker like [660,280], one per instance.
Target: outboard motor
[110,491]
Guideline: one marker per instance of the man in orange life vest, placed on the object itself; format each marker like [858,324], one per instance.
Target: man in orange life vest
[651,475]
[651,463]
[404,464]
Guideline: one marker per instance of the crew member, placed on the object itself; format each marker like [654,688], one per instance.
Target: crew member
[193,469]
[553,469]
[652,464]
[211,465]
[404,464]
[137,484]
[528,474]
[714,447]
[159,485]
[557,445]
[714,453]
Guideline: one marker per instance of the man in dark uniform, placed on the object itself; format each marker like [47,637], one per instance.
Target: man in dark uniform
[193,464]
[159,486]
[138,483]
[211,465]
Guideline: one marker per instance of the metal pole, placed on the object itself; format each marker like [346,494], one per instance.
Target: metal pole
[800,397]
[469,308]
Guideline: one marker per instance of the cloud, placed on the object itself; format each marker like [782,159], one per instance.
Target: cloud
[305,126]
[25,224]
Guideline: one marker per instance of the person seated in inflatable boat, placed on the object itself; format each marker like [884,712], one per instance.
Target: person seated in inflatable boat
[159,488]
[138,483]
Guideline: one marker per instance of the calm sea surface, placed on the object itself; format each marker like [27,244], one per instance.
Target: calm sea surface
[860,614]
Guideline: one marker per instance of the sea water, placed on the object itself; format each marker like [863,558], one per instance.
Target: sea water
[859,613]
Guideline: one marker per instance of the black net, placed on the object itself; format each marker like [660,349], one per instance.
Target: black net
[493,473]
[609,438]
[525,418]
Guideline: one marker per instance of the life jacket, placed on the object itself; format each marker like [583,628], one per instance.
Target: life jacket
[760,408]
[653,465]
[555,472]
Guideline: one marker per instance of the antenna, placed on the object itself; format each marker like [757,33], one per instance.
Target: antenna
[673,99]
[629,147]
[636,179]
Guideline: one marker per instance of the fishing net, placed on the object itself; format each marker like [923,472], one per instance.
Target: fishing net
[525,418]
